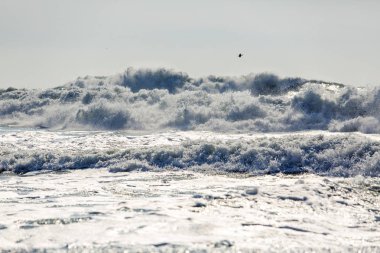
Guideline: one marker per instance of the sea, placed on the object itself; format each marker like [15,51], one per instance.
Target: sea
[158,161]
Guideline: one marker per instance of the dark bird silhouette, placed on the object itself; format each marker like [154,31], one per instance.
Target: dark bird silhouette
[240,55]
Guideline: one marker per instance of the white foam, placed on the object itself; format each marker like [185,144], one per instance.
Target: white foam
[320,152]
[156,100]
[96,211]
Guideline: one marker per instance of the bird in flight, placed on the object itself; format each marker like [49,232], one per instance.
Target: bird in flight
[240,55]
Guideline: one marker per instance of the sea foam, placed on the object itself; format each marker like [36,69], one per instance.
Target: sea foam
[164,99]
[318,153]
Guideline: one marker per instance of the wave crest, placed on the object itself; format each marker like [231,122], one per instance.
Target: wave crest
[339,155]
[161,99]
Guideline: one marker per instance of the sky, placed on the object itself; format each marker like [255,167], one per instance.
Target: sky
[46,43]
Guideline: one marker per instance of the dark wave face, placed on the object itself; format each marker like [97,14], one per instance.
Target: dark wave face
[164,99]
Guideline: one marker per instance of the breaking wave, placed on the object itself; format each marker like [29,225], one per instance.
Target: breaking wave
[164,99]
[332,155]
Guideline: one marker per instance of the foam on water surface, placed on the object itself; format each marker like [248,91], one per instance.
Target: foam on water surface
[96,211]
[154,160]
[323,153]
[192,190]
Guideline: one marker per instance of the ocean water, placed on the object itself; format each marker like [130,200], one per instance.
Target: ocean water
[154,160]
[147,100]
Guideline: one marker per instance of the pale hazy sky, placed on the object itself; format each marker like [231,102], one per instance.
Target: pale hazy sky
[45,43]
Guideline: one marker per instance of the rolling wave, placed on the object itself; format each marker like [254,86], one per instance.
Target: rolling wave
[322,154]
[164,99]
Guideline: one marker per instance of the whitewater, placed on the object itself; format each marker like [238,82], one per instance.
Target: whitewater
[157,161]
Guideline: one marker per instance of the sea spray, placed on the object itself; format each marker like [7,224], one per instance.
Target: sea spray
[163,99]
